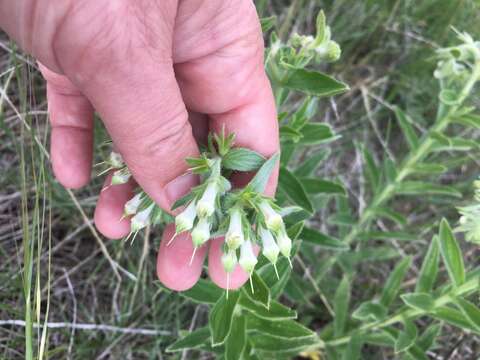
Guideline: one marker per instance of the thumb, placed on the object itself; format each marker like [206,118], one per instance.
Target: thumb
[144,114]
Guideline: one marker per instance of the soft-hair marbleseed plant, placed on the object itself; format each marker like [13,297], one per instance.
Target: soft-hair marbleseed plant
[246,217]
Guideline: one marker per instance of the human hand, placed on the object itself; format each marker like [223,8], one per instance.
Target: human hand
[153,70]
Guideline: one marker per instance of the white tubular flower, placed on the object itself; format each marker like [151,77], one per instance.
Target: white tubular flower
[248,260]
[201,232]
[131,206]
[273,219]
[141,219]
[229,260]
[184,220]
[234,237]
[121,176]
[269,246]
[206,204]
[116,160]
[284,243]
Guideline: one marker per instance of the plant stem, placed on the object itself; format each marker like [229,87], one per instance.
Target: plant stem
[466,288]
[414,157]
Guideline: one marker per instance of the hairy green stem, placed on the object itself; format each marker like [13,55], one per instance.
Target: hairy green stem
[408,164]
[408,313]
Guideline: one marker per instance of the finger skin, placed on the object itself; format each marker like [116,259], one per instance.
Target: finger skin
[71,117]
[109,210]
[173,262]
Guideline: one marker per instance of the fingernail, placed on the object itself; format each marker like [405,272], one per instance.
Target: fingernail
[180,187]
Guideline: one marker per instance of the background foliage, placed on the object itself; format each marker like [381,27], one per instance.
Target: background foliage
[378,274]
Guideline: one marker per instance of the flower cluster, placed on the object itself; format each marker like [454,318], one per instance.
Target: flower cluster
[470,218]
[251,223]
[455,67]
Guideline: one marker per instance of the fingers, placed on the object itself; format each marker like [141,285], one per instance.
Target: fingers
[176,268]
[109,210]
[71,117]
[149,126]
[232,281]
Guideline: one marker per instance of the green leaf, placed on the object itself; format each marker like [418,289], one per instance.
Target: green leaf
[390,170]
[318,186]
[422,188]
[275,312]
[312,82]
[308,166]
[288,133]
[428,272]
[388,235]
[268,23]
[429,169]
[237,340]
[470,120]
[321,26]
[242,159]
[470,311]
[288,329]
[454,317]
[379,338]
[341,301]
[354,348]
[371,169]
[317,238]
[422,301]
[183,200]
[221,315]
[405,124]
[193,340]
[391,215]
[451,254]
[370,311]
[259,181]
[316,134]
[261,292]
[394,282]
[407,337]
[204,292]
[294,189]
[342,219]
[428,337]
[264,342]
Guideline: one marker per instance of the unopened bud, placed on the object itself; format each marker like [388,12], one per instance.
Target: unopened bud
[131,206]
[229,260]
[206,204]
[121,176]
[269,247]
[273,220]
[284,243]
[141,219]
[234,237]
[184,221]
[201,232]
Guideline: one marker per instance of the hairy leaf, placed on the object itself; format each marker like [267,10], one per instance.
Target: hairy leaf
[451,254]
[221,315]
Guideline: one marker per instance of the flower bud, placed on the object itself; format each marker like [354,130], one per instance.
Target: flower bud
[121,176]
[234,237]
[201,232]
[248,260]
[229,260]
[131,206]
[184,220]
[116,160]
[272,218]
[284,243]
[206,204]
[141,219]
[269,247]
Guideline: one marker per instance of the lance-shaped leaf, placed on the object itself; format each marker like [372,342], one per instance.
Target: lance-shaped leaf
[428,272]
[192,340]
[221,315]
[370,311]
[242,159]
[319,186]
[237,340]
[317,238]
[312,82]
[470,311]
[260,180]
[275,312]
[315,134]
[294,190]
[308,166]
[371,169]
[423,188]
[405,124]
[260,293]
[455,318]
[341,301]
[407,337]
[394,282]
[451,254]
[282,329]
[428,337]
[354,348]
[422,301]
[204,292]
